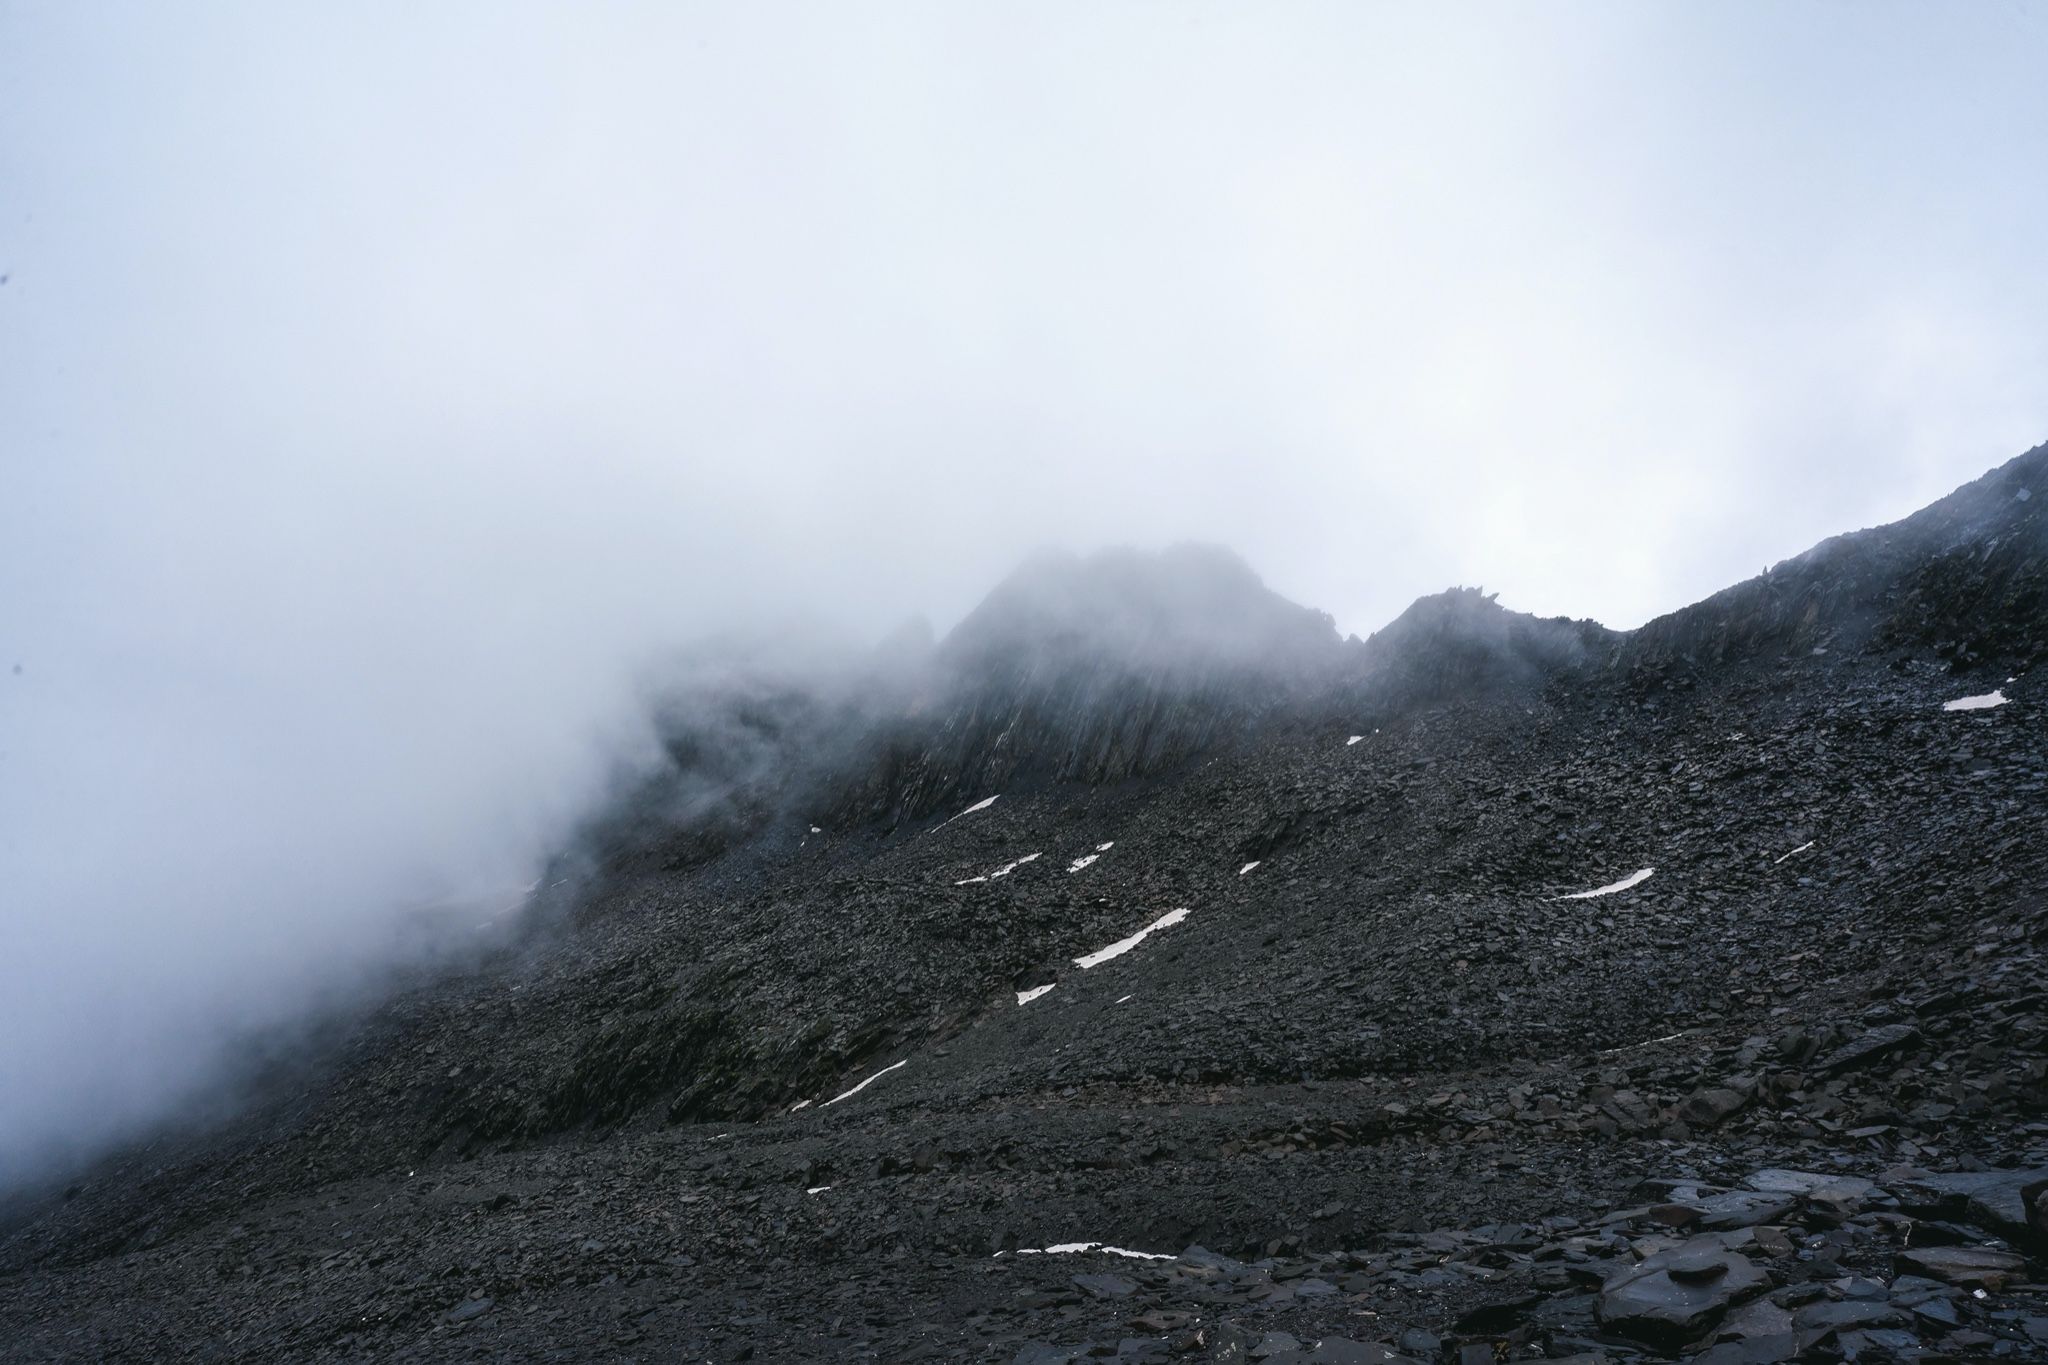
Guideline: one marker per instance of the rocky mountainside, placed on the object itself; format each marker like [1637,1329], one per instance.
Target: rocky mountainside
[1145,972]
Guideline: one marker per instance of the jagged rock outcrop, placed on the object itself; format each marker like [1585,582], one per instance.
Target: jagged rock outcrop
[1462,645]
[1099,669]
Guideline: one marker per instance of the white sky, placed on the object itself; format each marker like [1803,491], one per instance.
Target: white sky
[378,381]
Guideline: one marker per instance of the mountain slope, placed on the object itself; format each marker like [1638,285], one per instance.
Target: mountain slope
[1392,1021]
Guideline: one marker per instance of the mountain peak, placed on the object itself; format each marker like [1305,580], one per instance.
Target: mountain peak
[1185,604]
[1462,641]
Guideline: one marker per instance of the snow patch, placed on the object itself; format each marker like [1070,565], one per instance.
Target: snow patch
[817,1189]
[1074,1248]
[1795,852]
[964,881]
[1248,867]
[1650,1042]
[1634,879]
[1120,999]
[982,804]
[800,1104]
[1983,703]
[866,1083]
[1104,848]
[1124,945]
[1354,739]
[816,830]
[1007,868]
[1026,997]
[1082,862]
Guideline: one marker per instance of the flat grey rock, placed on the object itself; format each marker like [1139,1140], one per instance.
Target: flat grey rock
[1106,1286]
[1767,1350]
[1970,1267]
[1648,1302]
[1811,1184]
[1996,1200]
[1834,1315]
[1867,1049]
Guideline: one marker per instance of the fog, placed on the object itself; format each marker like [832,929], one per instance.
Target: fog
[383,386]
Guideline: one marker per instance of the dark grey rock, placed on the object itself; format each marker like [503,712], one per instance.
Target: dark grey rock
[1969,1267]
[1869,1048]
[1106,1286]
[1765,1350]
[1834,1315]
[1496,1317]
[1737,1209]
[1416,1341]
[1994,1199]
[1040,1353]
[1343,1351]
[1708,1107]
[1758,1318]
[1811,1183]
[1894,1342]
[1645,1301]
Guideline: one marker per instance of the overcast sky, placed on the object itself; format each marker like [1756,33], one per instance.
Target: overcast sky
[378,382]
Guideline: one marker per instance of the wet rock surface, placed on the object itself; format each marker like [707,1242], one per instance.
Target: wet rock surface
[764,1090]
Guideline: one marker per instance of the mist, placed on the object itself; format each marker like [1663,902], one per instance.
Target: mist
[385,390]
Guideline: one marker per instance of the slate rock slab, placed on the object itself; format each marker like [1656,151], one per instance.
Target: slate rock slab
[1869,1048]
[1743,1209]
[1765,1350]
[1997,1200]
[1106,1286]
[1707,1107]
[1844,1314]
[1678,1294]
[1811,1184]
[1970,1267]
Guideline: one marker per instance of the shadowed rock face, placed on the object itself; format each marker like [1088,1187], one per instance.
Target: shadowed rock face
[1462,645]
[1103,669]
[768,1086]
[1116,666]
[1100,669]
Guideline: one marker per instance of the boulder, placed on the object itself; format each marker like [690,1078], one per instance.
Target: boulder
[1708,1107]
